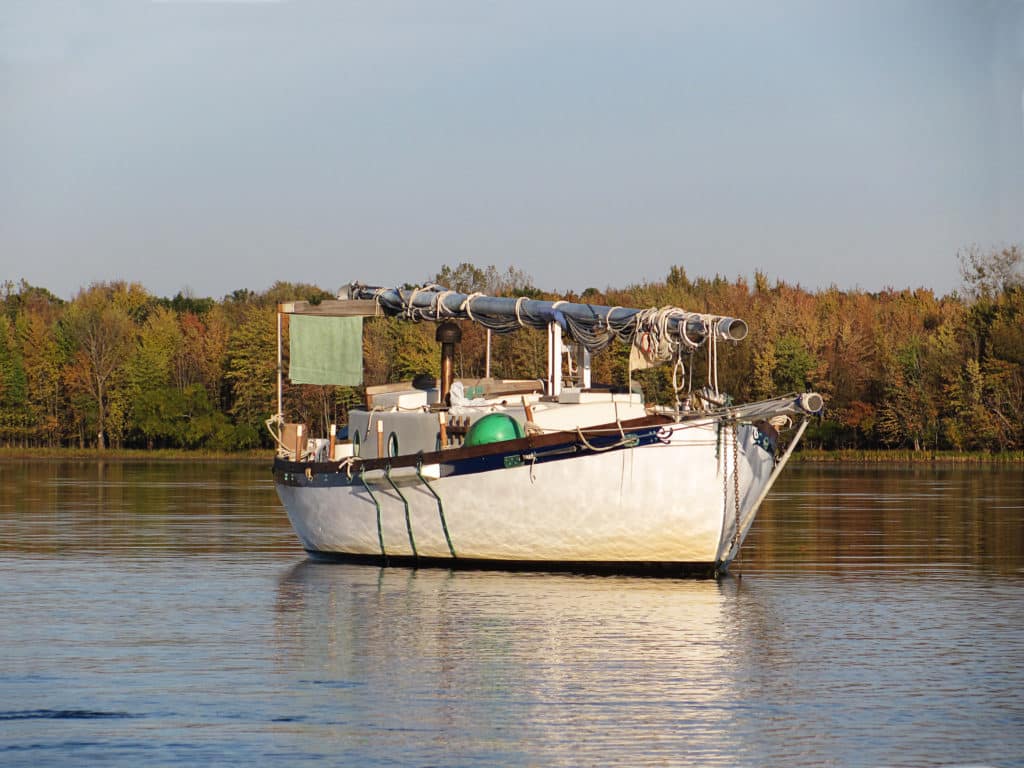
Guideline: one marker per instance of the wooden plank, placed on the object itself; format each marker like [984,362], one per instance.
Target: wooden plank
[333,308]
[522,444]
[385,389]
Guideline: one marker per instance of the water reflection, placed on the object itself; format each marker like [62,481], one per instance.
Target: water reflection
[566,670]
[577,665]
[164,613]
[140,508]
[820,518]
[892,518]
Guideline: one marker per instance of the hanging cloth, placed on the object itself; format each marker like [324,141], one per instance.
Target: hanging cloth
[326,350]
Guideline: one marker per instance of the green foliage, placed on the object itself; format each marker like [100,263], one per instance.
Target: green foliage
[171,417]
[13,382]
[252,366]
[182,303]
[100,327]
[793,365]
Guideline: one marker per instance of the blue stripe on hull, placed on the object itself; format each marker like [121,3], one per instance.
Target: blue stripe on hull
[327,475]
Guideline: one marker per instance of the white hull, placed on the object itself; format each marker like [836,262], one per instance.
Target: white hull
[671,501]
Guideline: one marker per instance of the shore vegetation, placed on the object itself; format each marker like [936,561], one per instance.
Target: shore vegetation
[905,373]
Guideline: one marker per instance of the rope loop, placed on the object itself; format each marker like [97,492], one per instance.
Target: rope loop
[519,306]
[467,305]
[440,310]
[410,307]
[608,319]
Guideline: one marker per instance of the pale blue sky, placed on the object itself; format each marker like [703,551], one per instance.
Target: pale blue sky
[220,145]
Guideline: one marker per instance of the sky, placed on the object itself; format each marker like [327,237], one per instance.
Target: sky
[206,146]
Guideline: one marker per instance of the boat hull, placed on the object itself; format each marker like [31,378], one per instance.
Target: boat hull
[662,498]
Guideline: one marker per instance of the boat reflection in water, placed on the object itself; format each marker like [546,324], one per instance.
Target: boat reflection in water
[848,666]
[551,665]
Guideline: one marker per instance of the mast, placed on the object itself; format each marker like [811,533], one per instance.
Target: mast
[280,411]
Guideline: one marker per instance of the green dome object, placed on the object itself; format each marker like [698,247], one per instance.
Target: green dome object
[493,428]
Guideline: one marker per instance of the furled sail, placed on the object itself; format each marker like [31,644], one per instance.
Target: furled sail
[593,326]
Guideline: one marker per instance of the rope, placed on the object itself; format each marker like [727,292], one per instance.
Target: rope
[608,319]
[440,310]
[519,304]
[277,436]
[376,503]
[440,506]
[714,357]
[405,501]
[677,386]
[410,311]
[347,464]
[466,305]
[629,442]
[683,337]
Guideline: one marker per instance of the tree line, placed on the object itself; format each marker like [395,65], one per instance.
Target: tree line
[118,367]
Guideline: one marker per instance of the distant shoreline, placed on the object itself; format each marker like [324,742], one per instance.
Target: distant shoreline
[8,454]
[906,456]
[806,456]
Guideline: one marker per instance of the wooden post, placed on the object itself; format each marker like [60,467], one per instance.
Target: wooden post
[554,386]
[298,442]
[448,334]
[442,422]
[487,359]
[527,410]
[280,412]
[334,439]
[380,439]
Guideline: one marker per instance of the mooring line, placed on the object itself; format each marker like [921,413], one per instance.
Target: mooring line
[440,505]
[405,501]
[376,503]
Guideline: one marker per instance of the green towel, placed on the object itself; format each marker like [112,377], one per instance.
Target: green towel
[326,350]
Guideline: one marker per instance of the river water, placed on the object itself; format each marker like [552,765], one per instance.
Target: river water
[163,613]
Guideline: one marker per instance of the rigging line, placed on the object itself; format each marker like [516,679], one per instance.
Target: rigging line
[608,318]
[714,342]
[630,441]
[410,305]
[405,501]
[736,484]
[376,503]
[440,506]
[467,305]
[441,310]
[347,465]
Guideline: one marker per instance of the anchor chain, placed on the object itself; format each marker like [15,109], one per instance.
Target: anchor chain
[736,485]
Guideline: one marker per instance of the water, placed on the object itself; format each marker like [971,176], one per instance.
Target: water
[161,614]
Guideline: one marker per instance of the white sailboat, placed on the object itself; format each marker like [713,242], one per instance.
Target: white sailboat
[552,474]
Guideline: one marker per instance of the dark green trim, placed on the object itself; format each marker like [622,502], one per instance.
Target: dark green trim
[405,502]
[440,506]
[376,503]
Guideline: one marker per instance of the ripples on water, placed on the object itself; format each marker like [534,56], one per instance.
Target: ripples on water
[162,614]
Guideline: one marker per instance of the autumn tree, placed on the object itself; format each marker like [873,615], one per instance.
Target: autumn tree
[252,371]
[98,325]
[42,361]
[14,416]
[898,367]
